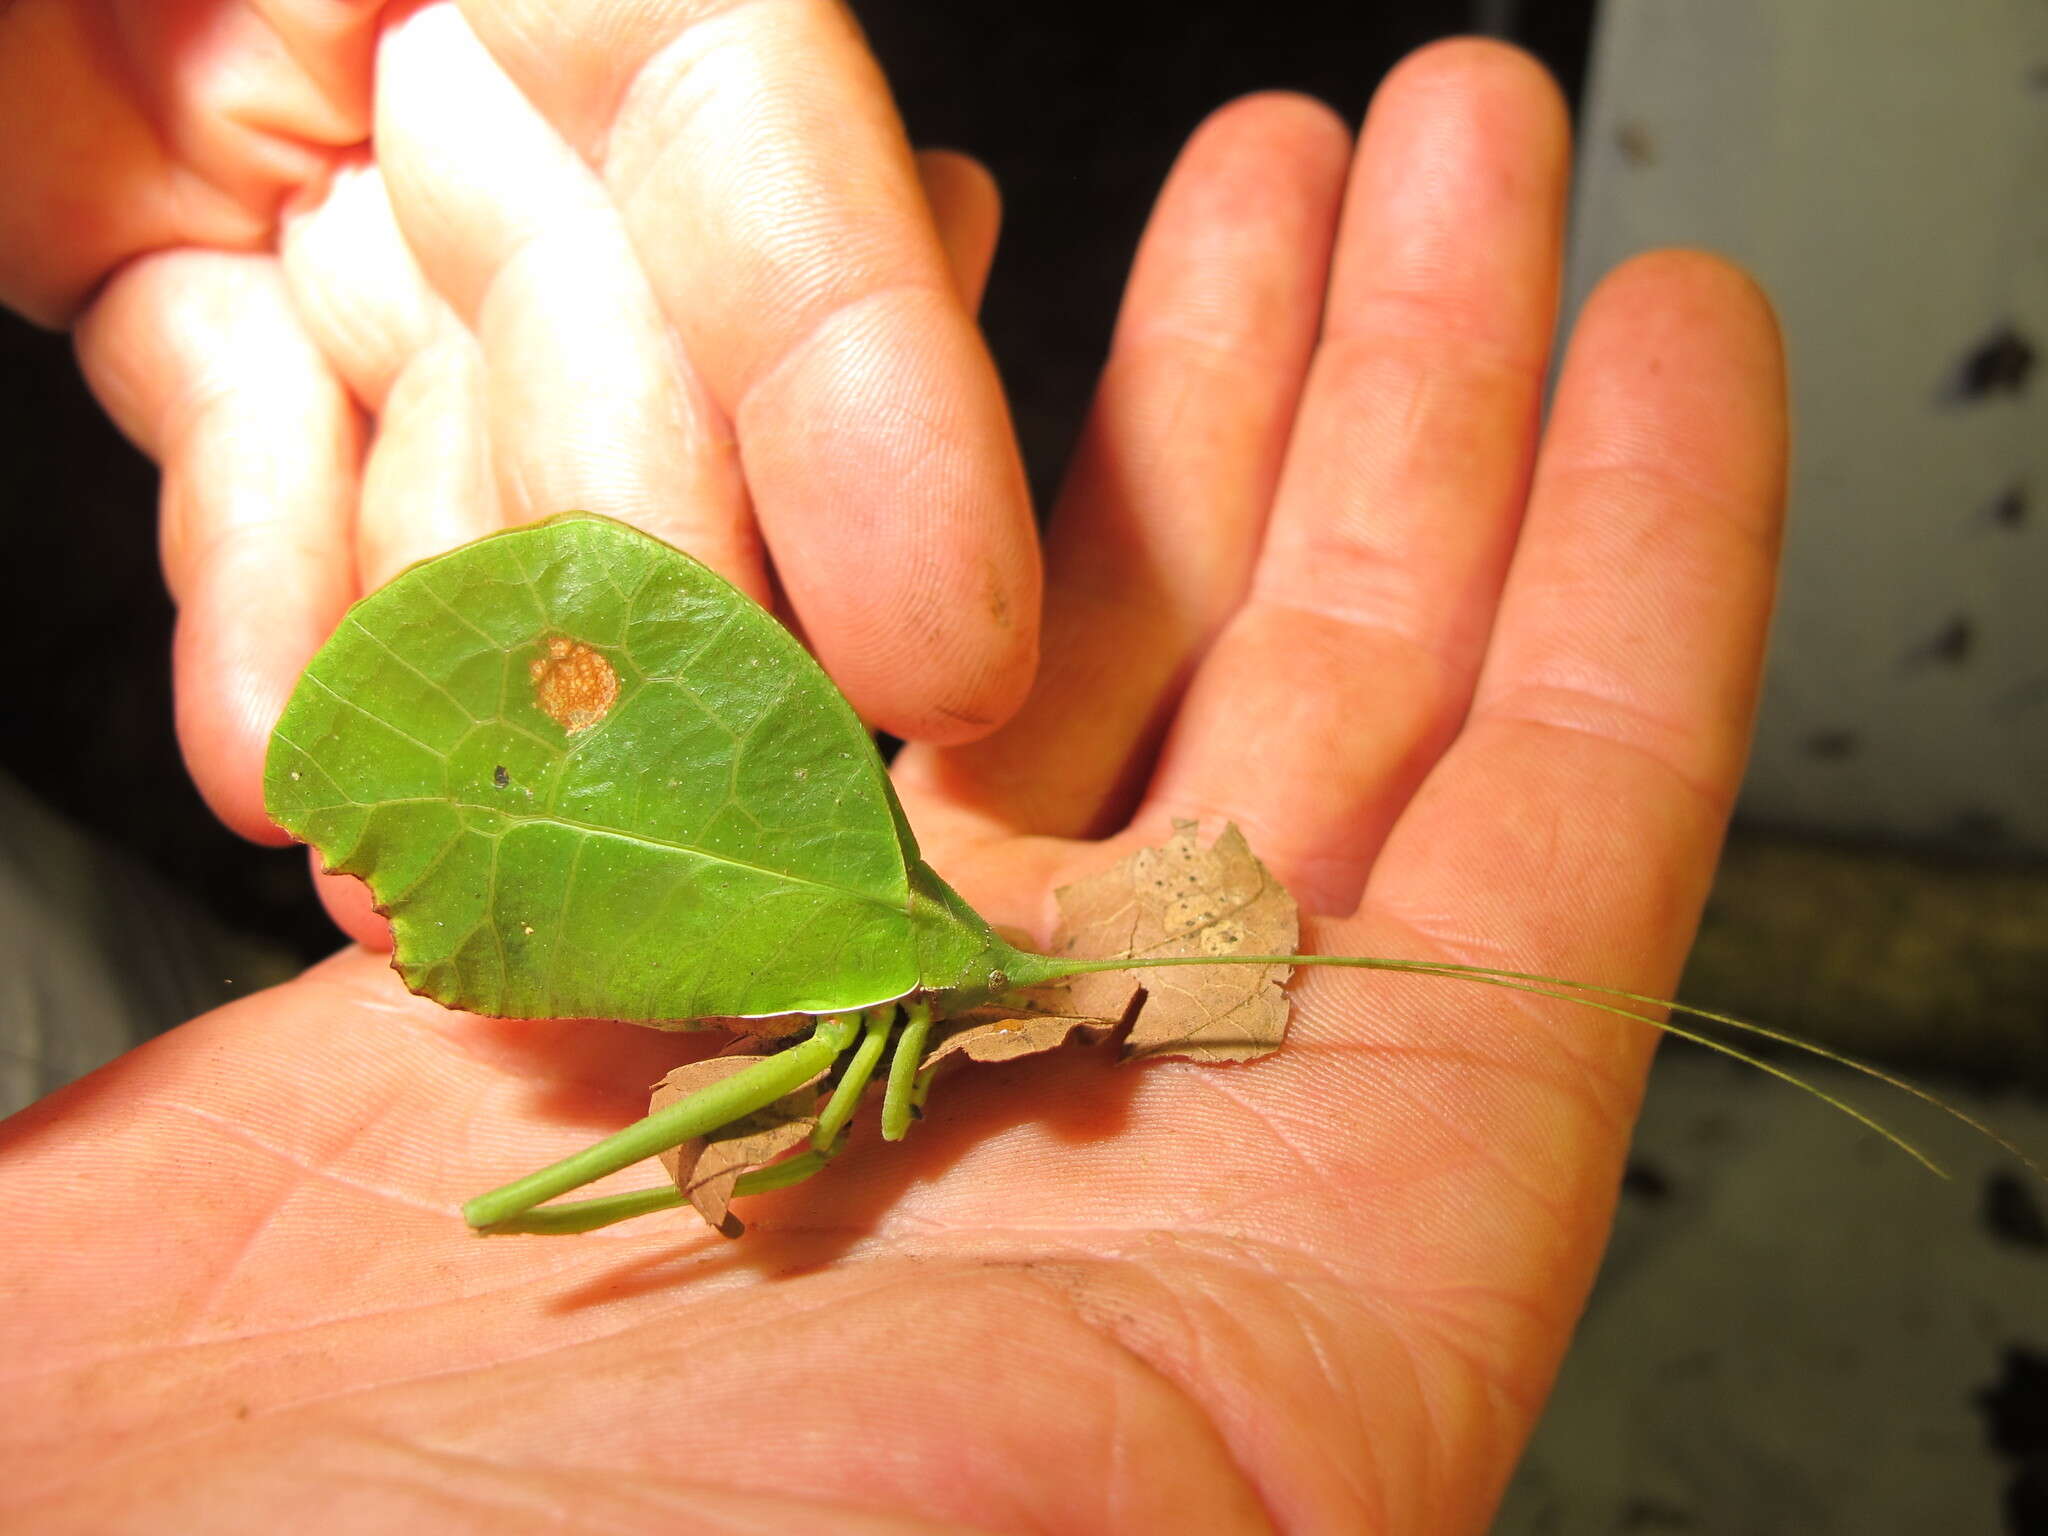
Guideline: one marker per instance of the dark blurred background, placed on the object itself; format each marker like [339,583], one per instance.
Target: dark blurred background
[1788,1336]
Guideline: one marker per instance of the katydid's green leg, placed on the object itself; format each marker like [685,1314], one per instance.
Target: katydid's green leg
[702,1112]
[854,1080]
[897,1100]
[588,1215]
[791,1170]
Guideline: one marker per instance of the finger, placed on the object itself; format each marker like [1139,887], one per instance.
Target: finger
[1155,533]
[1349,666]
[968,211]
[763,177]
[1478,1135]
[354,282]
[1612,720]
[133,129]
[591,401]
[1572,828]
[429,481]
[350,906]
[201,359]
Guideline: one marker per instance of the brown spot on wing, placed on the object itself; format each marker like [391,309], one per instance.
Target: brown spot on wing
[573,685]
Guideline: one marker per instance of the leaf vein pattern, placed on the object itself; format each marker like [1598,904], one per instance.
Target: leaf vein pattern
[632,598]
[485,922]
[313,765]
[385,646]
[556,947]
[527,731]
[369,714]
[440,857]
[706,950]
[556,818]
[459,616]
[540,603]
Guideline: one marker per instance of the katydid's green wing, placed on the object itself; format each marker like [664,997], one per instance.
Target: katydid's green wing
[582,775]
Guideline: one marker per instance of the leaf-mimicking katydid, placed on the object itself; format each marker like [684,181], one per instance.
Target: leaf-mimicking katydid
[585,777]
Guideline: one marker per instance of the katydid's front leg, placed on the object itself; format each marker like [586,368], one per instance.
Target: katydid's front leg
[853,1081]
[704,1111]
[902,1097]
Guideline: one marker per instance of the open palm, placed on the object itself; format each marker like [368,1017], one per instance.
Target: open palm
[1311,574]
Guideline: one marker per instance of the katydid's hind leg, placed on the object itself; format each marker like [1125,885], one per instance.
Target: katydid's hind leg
[791,1170]
[853,1082]
[567,1216]
[698,1114]
[758,1181]
[899,1099]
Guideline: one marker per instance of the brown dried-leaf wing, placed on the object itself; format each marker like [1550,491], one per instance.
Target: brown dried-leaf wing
[774,1026]
[743,1146]
[1004,1034]
[1183,899]
[707,1168]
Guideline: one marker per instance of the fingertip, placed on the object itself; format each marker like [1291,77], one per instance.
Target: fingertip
[1684,346]
[1466,65]
[1715,316]
[954,663]
[1684,285]
[203,356]
[1461,134]
[961,174]
[1235,254]
[226,706]
[967,208]
[896,511]
[1276,118]
[991,687]
[350,905]
[252,612]
[1243,162]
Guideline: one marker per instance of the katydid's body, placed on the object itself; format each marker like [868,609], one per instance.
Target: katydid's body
[583,776]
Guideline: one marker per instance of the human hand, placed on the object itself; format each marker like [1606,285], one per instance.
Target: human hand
[670,262]
[1491,704]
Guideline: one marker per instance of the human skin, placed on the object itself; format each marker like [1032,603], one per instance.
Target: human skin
[370,280]
[1474,698]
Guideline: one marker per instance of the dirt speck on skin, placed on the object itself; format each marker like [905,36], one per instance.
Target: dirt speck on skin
[998,599]
[573,685]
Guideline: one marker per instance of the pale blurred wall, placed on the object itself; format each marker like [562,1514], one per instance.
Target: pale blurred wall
[1882,167]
